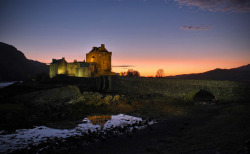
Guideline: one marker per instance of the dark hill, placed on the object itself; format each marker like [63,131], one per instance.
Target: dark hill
[243,68]
[15,66]
[235,74]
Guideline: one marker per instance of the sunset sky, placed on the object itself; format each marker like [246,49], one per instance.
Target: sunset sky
[179,36]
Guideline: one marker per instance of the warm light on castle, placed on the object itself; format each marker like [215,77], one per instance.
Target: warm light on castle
[98,63]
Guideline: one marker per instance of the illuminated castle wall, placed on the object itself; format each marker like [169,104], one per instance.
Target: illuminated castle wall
[98,63]
[101,58]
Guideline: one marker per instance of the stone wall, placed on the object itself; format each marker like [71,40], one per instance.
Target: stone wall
[71,68]
[75,69]
[53,70]
[183,89]
[102,61]
[58,67]
[62,67]
[83,72]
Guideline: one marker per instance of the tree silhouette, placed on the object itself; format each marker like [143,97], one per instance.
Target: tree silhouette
[131,73]
[123,73]
[160,73]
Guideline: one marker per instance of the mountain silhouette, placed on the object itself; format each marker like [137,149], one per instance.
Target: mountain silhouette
[243,68]
[14,66]
[235,74]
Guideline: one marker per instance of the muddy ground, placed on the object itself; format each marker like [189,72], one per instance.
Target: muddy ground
[210,129]
[206,129]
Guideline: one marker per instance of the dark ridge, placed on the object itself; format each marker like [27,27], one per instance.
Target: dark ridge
[14,66]
[243,68]
[235,74]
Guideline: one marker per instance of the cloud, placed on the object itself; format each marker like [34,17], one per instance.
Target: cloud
[124,66]
[198,28]
[239,6]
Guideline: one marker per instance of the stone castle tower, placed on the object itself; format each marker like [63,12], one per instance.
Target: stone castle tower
[101,58]
[98,63]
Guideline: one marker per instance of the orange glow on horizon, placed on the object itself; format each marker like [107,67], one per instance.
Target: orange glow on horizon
[172,66]
[149,68]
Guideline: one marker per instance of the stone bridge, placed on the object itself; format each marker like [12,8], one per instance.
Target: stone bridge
[183,89]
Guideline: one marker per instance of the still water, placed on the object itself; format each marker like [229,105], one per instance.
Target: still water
[23,137]
[5,84]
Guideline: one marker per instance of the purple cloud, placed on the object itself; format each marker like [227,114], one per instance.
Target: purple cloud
[196,28]
[239,6]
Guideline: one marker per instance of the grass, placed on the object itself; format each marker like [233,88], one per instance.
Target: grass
[184,89]
[160,107]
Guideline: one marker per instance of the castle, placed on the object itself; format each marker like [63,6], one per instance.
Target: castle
[98,63]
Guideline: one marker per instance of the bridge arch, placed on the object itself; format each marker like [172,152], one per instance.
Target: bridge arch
[204,96]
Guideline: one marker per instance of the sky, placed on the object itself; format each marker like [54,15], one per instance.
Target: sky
[178,36]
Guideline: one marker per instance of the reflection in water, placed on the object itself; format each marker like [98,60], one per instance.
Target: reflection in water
[23,137]
[99,119]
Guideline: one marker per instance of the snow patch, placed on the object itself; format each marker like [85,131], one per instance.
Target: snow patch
[22,138]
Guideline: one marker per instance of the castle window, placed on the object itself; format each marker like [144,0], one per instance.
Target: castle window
[92,59]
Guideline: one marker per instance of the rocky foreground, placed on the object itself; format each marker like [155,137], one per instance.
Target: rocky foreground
[207,129]
[182,127]
[211,129]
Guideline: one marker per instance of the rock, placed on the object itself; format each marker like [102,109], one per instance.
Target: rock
[108,99]
[116,98]
[93,98]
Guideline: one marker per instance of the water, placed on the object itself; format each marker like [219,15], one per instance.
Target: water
[5,84]
[23,137]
